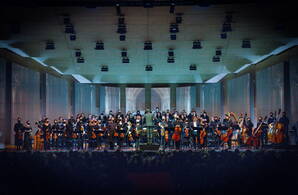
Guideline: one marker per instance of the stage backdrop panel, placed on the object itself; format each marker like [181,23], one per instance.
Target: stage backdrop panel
[210,98]
[183,99]
[25,95]
[112,99]
[269,90]
[85,101]
[135,99]
[56,97]
[294,91]
[237,95]
[160,97]
[2,101]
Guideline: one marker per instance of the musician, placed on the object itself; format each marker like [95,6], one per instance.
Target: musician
[215,128]
[177,136]
[285,121]
[46,132]
[195,127]
[205,117]
[19,130]
[262,136]
[271,118]
[249,126]
[27,136]
[149,124]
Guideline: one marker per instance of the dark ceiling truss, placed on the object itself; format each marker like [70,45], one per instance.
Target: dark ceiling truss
[125,3]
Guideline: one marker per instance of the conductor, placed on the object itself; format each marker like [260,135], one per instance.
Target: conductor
[149,125]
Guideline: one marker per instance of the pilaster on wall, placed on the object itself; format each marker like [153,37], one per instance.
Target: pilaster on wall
[71,98]
[147,96]
[123,98]
[198,87]
[173,97]
[287,89]
[223,99]
[8,96]
[252,96]
[43,93]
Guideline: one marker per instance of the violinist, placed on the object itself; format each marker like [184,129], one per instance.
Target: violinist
[215,127]
[46,132]
[19,130]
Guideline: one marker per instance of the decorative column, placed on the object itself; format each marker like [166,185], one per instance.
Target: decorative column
[123,98]
[148,96]
[173,96]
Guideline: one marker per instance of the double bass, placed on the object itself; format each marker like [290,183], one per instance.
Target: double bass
[254,139]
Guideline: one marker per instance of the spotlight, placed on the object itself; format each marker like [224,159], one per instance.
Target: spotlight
[171,52]
[192,67]
[125,60]
[223,35]
[66,20]
[173,37]
[50,45]
[121,29]
[148,3]
[99,45]
[78,53]
[246,43]
[174,28]
[196,45]
[179,18]
[69,29]
[226,27]
[121,19]
[218,52]
[104,68]
[72,37]
[80,60]
[148,45]
[172,7]
[148,68]
[216,59]
[171,59]
[118,9]
[122,37]
[123,53]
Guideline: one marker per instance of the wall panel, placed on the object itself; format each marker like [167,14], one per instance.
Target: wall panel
[183,99]
[112,99]
[56,97]
[210,98]
[269,90]
[25,95]
[294,91]
[2,101]
[85,95]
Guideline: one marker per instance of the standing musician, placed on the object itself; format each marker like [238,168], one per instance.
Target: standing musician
[215,127]
[46,133]
[195,132]
[19,130]
[177,136]
[27,136]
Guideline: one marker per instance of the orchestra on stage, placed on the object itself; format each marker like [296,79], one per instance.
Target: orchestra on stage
[170,130]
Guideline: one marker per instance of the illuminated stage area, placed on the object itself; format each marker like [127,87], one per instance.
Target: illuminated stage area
[148,97]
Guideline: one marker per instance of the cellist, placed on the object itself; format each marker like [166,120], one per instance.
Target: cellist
[177,136]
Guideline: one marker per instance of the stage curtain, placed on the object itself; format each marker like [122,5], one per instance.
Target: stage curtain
[85,101]
[56,97]
[238,94]
[269,90]
[210,98]
[294,92]
[183,99]
[2,101]
[112,99]
[25,95]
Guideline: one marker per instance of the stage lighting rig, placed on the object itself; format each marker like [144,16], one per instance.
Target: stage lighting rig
[246,43]
[99,45]
[50,45]
[72,37]
[104,68]
[179,18]
[148,45]
[123,53]
[148,68]
[118,9]
[172,7]
[69,29]
[125,60]
[223,35]
[174,28]
[173,37]
[218,52]
[193,67]
[80,60]
[122,37]
[196,45]
[78,53]
[216,59]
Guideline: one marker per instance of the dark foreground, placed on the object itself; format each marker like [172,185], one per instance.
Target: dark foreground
[205,172]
